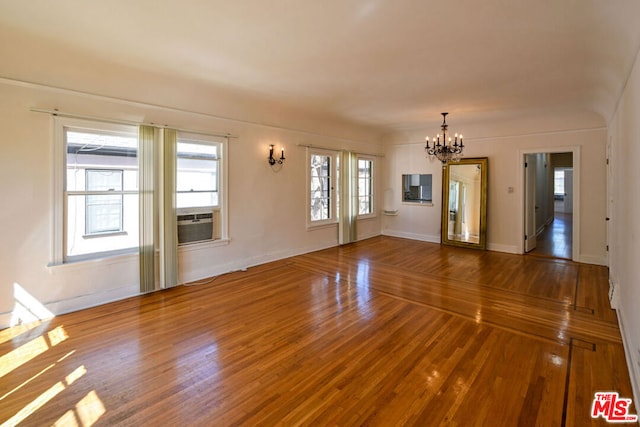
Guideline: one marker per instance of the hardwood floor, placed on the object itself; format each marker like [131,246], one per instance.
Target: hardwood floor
[385,331]
[556,240]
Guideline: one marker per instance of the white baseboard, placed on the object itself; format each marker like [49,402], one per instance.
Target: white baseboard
[80,302]
[614,295]
[413,236]
[631,356]
[216,270]
[366,236]
[436,239]
[92,300]
[5,320]
[592,259]
[510,249]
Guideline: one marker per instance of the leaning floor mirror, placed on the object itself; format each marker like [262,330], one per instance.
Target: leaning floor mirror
[464,203]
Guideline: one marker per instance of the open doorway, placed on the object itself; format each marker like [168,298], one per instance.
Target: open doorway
[549,204]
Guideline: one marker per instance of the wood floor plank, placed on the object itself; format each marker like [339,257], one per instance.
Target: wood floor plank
[381,332]
[515,310]
[593,369]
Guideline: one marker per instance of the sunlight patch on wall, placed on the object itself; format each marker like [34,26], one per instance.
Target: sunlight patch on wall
[27,308]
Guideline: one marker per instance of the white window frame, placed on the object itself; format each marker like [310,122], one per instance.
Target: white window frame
[372,180]
[555,171]
[112,192]
[333,193]
[59,202]
[222,179]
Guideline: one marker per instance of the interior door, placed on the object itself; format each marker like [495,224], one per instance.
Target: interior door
[610,198]
[568,191]
[530,202]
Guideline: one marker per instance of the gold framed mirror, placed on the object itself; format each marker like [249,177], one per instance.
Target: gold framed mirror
[464,203]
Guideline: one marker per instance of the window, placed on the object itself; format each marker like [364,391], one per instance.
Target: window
[104,200]
[327,188]
[558,183]
[200,188]
[365,186]
[100,189]
[417,188]
[96,186]
[322,195]
[197,174]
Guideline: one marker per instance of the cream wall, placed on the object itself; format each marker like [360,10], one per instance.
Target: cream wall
[266,209]
[624,134]
[412,221]
[505,208]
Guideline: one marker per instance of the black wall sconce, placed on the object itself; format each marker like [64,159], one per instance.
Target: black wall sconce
[273,160]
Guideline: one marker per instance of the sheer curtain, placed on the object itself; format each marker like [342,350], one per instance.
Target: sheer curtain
[147,142]
[158,227]
[168,224]
[347,224]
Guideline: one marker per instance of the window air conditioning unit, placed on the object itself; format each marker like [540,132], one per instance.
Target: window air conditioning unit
[194,228]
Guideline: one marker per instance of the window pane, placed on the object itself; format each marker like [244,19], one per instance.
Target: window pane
[197,150]
[98,151]
[320,191]
[320,209]
[364,207]
[104,213]
[196,200]
[197,175]
[100,161]
[365,200]
[558,182]
[196,180]
[78,242]
[104,180]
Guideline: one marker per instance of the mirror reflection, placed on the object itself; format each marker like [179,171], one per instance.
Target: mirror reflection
[464,195]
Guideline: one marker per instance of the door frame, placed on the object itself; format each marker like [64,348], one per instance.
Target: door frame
[529,197]
[610,195]
[575,150]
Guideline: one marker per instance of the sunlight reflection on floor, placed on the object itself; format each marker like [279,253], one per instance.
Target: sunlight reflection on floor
[30,350]
[32,339]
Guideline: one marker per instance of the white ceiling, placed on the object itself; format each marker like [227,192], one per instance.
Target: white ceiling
[382,63]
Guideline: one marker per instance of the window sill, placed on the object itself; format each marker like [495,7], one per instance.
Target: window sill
[107,234]
[198,246]
[366,217]
[418,203]
[101,260]
[311,227]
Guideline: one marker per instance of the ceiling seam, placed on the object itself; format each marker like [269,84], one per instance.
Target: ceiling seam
[624,86]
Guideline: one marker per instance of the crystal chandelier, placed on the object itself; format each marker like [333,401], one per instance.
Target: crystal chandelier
[448,150]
